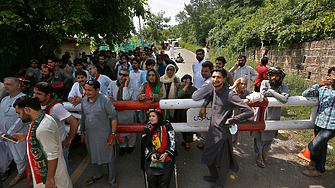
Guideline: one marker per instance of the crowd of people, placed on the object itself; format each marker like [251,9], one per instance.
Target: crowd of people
[33,114]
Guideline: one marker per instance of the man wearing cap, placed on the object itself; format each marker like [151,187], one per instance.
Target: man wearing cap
[11,124]
[54,108]
[48,74]
[47,164]
[160,66]
[122,91]
[98,130]
[77,92]
[273,87]
[33,67]
[102,79]
[25,86]
[60,74]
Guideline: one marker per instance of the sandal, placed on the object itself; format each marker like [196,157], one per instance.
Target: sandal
[266,158]
[92,180]
[260,162]
[184,145]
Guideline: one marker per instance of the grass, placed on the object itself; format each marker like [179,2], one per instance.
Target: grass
[296,86]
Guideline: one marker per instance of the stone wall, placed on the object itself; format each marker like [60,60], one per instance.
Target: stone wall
[311,60]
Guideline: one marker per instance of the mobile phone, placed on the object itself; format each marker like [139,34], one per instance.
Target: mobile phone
[7,137]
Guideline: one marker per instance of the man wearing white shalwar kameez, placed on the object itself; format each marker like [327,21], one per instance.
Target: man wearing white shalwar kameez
[11,124]
[124,116]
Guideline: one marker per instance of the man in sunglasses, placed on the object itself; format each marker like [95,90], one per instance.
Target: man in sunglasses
[123,63]
[102,79]
[98,131]
[122,90]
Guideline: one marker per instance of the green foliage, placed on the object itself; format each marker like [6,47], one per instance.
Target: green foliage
[45,23]
[155,26]
[237,25]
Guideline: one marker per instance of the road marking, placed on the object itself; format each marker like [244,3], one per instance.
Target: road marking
[80,169]
[283,133]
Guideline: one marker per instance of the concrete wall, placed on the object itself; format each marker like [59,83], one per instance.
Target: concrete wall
[311,60]
[75,51]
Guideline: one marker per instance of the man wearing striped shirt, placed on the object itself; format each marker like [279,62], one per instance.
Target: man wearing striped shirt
[324,124]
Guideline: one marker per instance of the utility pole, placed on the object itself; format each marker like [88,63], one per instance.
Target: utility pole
[139,21]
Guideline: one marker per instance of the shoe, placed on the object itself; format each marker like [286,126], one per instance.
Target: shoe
[314,173]
[130,150]
[201,146]
[17,179]
[122,151]
[215,186]
[209,179]
[5,175]
[115,185]
[312,165]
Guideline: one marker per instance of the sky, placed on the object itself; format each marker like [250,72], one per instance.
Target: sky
[171,8]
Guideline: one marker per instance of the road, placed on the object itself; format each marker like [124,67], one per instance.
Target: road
[284,171]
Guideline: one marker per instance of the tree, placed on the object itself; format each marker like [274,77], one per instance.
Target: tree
[45,23]
[155,25]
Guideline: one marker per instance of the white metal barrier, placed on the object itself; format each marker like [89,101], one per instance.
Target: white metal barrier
[269,125]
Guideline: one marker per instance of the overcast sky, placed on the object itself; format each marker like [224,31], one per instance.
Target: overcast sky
[171,8]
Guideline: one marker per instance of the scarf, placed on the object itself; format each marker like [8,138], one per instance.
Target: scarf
[120,91]
[142,66]
[97,77]
[172,94]
[125,67]
[50,104]
[51,81]
[160,141]
[38,161]
[153,87]
[82,92]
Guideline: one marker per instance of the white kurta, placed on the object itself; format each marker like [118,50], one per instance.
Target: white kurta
[47,134]
[198,80]
[11,124]
[247,72]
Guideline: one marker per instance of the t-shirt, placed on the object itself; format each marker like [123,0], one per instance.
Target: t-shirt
[59,114]
[262,74]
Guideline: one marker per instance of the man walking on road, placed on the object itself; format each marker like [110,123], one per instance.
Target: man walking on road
[240,69]
[198,80]
[98,130]
[48,168]
[324,128]
[218,153]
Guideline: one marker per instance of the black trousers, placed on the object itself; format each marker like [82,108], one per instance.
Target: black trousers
[160,178]
[257,89]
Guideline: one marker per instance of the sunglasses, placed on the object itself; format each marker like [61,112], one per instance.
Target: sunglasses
[90,82]
[170,69]
[120,74]
[123,58]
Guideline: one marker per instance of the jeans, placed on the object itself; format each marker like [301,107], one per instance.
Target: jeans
[66,157]
[318,146]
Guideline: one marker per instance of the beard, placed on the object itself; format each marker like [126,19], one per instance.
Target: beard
[218,85]
[275,83]
[26,117]
[241,64]
[46,76]
[199,58]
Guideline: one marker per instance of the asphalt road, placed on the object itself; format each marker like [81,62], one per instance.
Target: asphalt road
[284,171]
